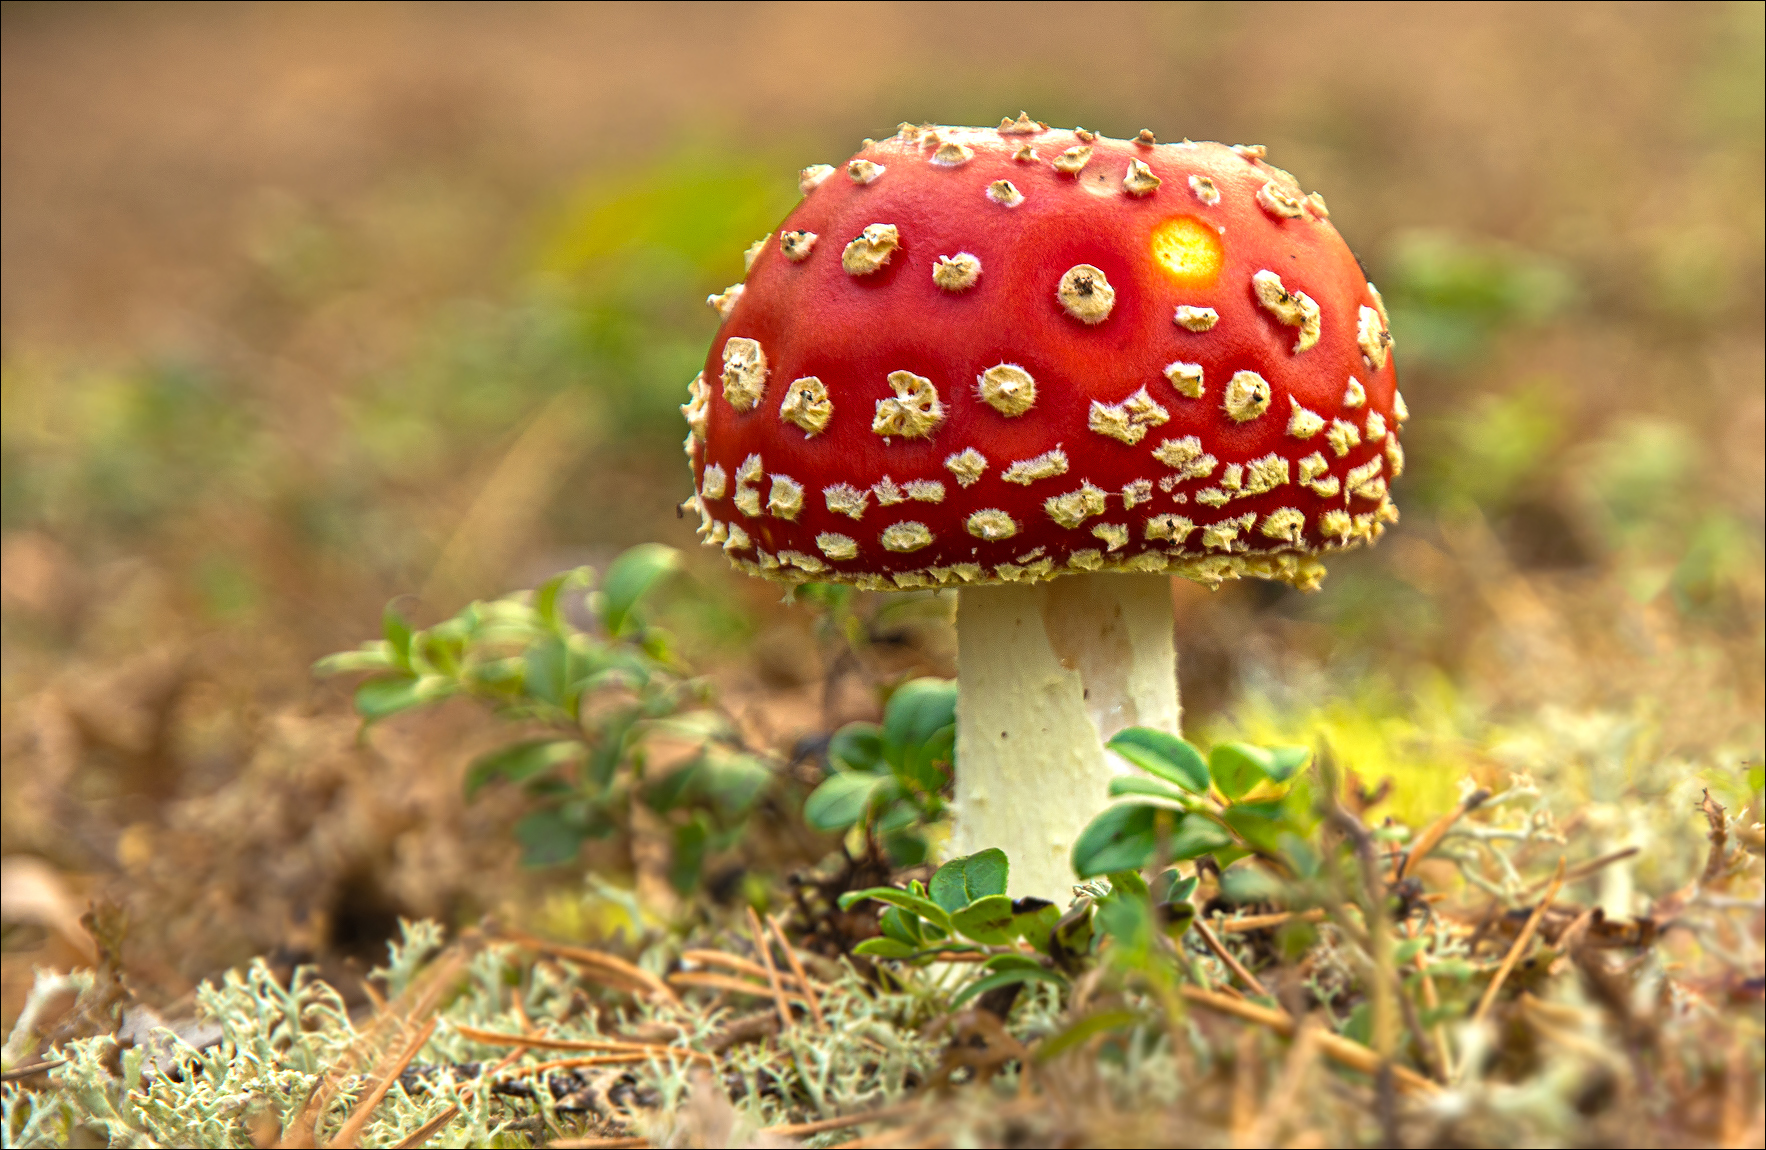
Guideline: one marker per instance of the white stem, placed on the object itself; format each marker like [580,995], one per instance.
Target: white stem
[1046,673]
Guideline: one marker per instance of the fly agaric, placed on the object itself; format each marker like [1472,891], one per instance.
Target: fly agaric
[984,358]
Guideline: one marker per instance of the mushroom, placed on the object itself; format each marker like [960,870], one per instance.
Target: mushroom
[1049,385]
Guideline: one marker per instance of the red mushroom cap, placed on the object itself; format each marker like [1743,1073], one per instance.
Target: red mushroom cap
[975,355]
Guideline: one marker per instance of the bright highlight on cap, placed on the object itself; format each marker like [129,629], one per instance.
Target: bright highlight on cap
[1188,249]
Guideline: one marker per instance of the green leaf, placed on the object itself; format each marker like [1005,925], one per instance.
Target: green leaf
[548,837]
[840,801]
[905,848]
[1011,962]
[919,709]
[689,855]
[521,761]
[732,783]
[1171,887]
[378,698]
[375,655]
[398,636]
[1196,836]
[1163,754]
[1120,838]
[885,948]
[1259,824]
[961,881]
[1033,919]
[1237,767]
[924,907]
[546,598]
[1005,978]
[1141,785]
[631,575]
[1285,762]
[986,920]
[901,926]
[1083,1030]
[857,747]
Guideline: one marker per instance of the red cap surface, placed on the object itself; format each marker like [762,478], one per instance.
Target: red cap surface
[975,355]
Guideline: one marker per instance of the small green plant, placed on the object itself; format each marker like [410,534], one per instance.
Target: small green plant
[581,664]
[890,779]
[964,911]
[1238,801]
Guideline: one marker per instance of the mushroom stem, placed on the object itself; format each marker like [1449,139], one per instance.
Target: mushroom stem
[1047,673]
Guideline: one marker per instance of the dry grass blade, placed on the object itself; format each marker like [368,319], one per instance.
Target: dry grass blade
[1592,866]
[33,1068]
[1265,921]
[707,980]
[538,1042]
[1522,941]
[822,1125]
[604,968]
[428,1130]
[350,1134]
[632,1059]
[1295,1072]
[809,989]
[607,1143]
[1233,964]
[740,965]
[419,1001]
[1334,1046]
[1437,830]
[765,947]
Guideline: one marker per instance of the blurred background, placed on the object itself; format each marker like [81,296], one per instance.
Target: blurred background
[305,307]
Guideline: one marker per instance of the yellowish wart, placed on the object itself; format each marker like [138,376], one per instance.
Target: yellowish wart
[914,412]
[1196,318]
[1342,436]
[906,536]
[1114,535]
[1137,491]
[745,372]
[1007,388]
[837,546]
[1284,523]
[1173,527]
[1005,193]
[807,405]
[1204,189]
[1296,309]
[956,273]
[870,249]
[1129,420]
[1086,294]
[845,499]
[724,302]
[968,465]
[1280,200]
[1186,378]
[864,171]
[1186,455]
[1373,338]
[1140,180]
[1247,396]
[810,178]
[1045,466]
[992,524]
[953,155]
[1073,160]
[1075,507]
[1302,423]
[715,483]
[796,245]
[1354,395]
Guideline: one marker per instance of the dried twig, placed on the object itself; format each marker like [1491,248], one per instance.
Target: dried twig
[34,1068]
[740,965]
[1233,964]
[497,1038]
[709,980]
[1264,921]
[764,946]
[1520,946]
[1437,830]
[809,990]
[604,968]
[350,1133]
[1334,1046]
